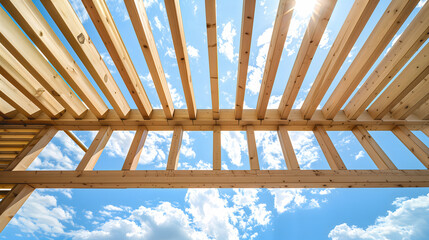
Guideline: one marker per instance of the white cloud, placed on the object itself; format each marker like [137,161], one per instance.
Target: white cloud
[408,221]
[421,3]
[234,144]
[186,148]
[193,52]
[119,8]
[170,52]
[360,154]
[304,144]
[112,208]
[80,10]
[269,143]
[177,98]
[274,102]
[323,44]
[158,23]
[226,41]
[148,79]
[89,214]
[107,59]
[149,3]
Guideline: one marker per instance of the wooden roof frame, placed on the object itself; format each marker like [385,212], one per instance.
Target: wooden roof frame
[38,99]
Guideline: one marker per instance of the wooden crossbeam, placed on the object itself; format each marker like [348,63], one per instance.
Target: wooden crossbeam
[39,31]
[105,25]
[416,98]
[135,150]
[251,147]
[220,179]
[176,143]
[423,111]
[328,148]
[7,110]
[319,20]
[278,38]
[32,149]
[410,77]
[244,54]
[13,201]
[141,25]
[415,145]
[76,140]
[287,149]
[94,151]
[68,22]
[177,33]
[13,39]
[227,121]
[426,131]
[381,160]
[404,48]
[217,162]
[21,79]
[393,18]
[212,48]
[18,100]
[353,25]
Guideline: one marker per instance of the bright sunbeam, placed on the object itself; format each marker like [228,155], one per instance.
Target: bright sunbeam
[304,8]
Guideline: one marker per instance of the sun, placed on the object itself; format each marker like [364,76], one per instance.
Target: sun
[304,8]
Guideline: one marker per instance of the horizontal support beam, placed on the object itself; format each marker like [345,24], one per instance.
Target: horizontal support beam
[227,121]
[219,179]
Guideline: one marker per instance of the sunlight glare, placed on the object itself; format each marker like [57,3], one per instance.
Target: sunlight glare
[304,8]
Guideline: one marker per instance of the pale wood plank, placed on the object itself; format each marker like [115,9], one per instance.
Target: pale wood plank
[355,22]
[319,20]
[135,150]
[251,147]
[106,27]
[76,140]
[24,51]
[410,77]
[287,149]
[39,31]
[32,149]
[381,160]
[423,111]
[94,151]
[141,25]
[176,143]
[244,53]
[278,38]
[415,145]
[176,26]
[404,48]
[13,201]
[7,110]
[328,148]
[217,162]
[68,22]
[393,18]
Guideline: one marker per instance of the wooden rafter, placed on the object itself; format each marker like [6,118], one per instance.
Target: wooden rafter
[13,201]
[355,22]
[217,163]
[423,111]
[76,140]
[176,143]
[416,98]
[177,32]
[136,149]
[7,110]
[415,145]
[393,18]
[251,147]
[287,149]
[94,151]
[103,21]
[328,148]
[244,54]
[404,48]
[278,38]
[319,20]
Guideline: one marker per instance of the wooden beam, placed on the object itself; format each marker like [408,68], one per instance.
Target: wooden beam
[227,121]
[244,54]
[68,22]
[219,179]
[415,145]
[251,147]
[32,149]
[381,160]
[135,150]
[94,151]
[319,20]
[404,48]
[355,22]
[217,162]
[141,25]
[423,111]
[328,149]
[212,53]
[39,31]
[410,77]
[14,40]
[178,34]
[6,110]
[13,201]
[416,98]
[21,79]
[18,100]
[426,131]
[287,149]
[103,21]
[278,38]
[76,140]
[393,18]
[176,143]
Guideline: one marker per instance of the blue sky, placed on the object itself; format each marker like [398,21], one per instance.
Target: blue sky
[223,213]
